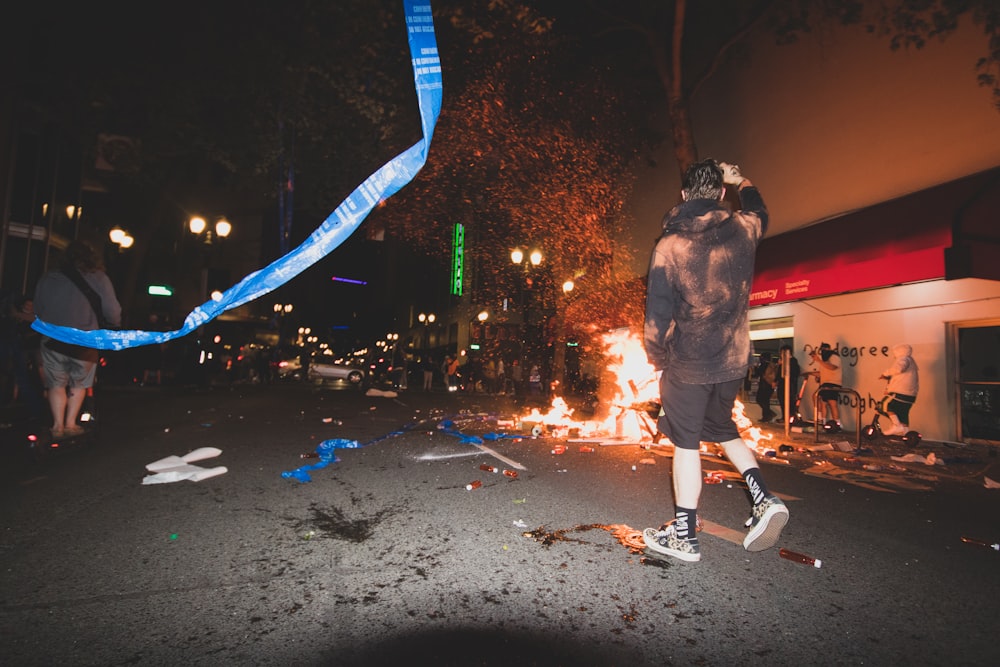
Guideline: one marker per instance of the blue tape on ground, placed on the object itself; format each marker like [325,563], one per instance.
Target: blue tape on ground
[339,225]
[327,456]
[325,449]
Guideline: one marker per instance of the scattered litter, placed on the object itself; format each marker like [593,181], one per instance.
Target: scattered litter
[510,473]
[381,392]
[559,449]
[519,501]
[714,477]
[980,543]
[648,462]
[930,459]
[179,468]
[474,484]
[326,456]
[825,447]
[520,524]
[331,420]
[843,446]
[586,449]
[800,558]
[309,535]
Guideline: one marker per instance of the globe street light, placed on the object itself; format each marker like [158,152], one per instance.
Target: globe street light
[121,238]
[535,256]
[221,229]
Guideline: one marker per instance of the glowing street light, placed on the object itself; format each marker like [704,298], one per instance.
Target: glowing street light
[121,238]
[535,256]
[222,228]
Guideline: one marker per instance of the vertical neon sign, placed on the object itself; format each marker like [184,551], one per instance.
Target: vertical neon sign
[458,259]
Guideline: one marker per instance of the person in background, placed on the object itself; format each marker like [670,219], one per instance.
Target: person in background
[697,336]
[451,372]
[428,367]
[69,370]
[535,380]
[901,391]
[19,366]
[830,376]
[767,374]
[501,376]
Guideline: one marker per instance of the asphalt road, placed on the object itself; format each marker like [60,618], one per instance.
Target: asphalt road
[385,557]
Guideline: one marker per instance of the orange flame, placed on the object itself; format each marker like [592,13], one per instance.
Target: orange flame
[624,412]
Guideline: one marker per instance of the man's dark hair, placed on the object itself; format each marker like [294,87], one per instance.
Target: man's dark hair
[703,180]
[81,256]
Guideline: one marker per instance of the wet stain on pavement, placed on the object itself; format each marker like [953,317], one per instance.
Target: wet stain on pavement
[628,537]
[334,523]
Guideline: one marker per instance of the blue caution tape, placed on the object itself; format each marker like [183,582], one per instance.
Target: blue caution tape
[337,227]
[325,449]
[327,456]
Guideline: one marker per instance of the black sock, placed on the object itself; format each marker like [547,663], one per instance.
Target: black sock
[755,485]
[685,523]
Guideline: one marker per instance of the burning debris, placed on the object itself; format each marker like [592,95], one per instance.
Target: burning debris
[630,410]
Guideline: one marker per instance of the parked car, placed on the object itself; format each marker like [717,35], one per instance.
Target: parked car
[337,370]
[288,368]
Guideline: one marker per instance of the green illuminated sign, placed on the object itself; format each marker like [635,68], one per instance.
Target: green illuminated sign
[458,259]
[160,290]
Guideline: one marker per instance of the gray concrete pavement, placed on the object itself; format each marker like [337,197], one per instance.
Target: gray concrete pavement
[385,556]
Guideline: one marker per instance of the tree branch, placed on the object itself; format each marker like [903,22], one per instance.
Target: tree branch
[756,15]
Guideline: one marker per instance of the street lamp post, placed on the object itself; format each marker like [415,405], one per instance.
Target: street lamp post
[426,319]
[209,235]
[281,310]
[535,257]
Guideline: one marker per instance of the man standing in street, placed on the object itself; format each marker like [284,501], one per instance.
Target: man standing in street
[78,294]
[697,335]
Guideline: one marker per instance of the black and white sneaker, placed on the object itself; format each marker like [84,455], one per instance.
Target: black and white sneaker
[665,541]
[769,517]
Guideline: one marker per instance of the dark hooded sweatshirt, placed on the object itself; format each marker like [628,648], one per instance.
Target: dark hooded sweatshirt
[698,291]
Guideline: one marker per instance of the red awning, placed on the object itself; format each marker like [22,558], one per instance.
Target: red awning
[901,241]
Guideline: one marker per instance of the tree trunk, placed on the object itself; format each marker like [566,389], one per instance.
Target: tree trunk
[669,68]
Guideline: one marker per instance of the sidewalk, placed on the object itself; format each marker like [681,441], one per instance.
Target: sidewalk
[882,463]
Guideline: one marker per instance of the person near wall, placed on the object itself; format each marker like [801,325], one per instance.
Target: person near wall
[78,294]
[901,390]
[428,367]
[831,378]
[697,336]
[767,378]
[451,373]
[19,366]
